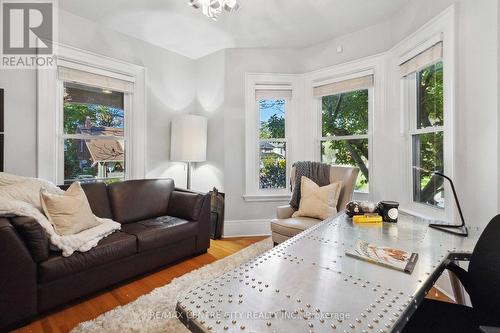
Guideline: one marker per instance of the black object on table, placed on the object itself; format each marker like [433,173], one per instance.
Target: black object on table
[449,228]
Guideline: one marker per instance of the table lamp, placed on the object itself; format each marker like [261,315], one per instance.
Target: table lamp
[188,142]
[455,229]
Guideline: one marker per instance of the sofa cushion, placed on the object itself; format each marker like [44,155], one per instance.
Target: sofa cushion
[160,231]
[137,200]
[116,246]
[34,236]
[97,195]
[185,205]
[292,226]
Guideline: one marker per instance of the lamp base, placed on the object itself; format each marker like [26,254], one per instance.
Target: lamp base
[459,230]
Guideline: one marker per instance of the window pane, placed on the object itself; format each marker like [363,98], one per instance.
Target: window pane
[92,111]
[428,157]
[345,114]
[272,118]
[430,96]
[272,170]
[349,153]
[89,160]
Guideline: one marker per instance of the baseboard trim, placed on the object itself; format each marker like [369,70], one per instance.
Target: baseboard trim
[247,228]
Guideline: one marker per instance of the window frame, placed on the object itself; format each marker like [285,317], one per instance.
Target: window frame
[50,166]
[254,82]
[282,140]
[442,30]
[127,99]
[360,195]
[410,102]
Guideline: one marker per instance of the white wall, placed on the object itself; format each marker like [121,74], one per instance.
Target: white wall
[210,95]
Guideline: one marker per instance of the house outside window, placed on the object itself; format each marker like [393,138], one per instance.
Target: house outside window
[95,122]
[94,133]
[345,125]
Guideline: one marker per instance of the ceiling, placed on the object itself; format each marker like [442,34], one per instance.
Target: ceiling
[175,26]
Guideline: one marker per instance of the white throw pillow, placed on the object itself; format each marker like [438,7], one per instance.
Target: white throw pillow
[69,213]
[318,202]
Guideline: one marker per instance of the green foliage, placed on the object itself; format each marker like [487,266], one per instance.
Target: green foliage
[274,127]
[272,171]
[346,114]
[76,114]
[429,147]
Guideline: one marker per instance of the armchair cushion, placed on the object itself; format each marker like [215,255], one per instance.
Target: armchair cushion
[284,212]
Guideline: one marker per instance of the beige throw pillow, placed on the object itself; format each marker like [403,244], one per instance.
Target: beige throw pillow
[70,212]
[318,202]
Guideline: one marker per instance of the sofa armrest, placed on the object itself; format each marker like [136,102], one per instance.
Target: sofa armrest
[185,205]
[18,284]
[193,206]
[34,236]
[284,212]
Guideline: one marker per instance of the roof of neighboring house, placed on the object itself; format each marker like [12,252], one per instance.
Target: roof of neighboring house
[267,145]
[105,150]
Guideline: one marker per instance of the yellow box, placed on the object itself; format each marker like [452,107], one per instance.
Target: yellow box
[367,218]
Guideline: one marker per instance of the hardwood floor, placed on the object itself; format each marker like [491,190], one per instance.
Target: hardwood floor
[65,319]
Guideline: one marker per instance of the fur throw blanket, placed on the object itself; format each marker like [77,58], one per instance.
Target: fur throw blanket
[20,196]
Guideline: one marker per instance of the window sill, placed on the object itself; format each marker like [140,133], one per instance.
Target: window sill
[266,197]
[423,215]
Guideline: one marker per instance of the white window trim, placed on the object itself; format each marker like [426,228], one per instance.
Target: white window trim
[272,81]
[372,65]
[441,28]
[369,136]
[49,111]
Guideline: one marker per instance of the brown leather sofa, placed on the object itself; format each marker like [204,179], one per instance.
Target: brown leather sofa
[160,225]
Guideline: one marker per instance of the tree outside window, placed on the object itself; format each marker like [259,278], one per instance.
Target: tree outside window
[345,132]
[272,144]
[428,136]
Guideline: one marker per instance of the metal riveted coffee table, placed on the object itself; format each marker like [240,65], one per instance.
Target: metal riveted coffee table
[308,284]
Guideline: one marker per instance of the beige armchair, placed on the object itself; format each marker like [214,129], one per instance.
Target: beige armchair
[285,226]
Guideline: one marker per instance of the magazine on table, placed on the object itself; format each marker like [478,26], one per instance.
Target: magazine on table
[386,256]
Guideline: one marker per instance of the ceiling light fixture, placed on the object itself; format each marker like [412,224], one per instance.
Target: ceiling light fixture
[213,8]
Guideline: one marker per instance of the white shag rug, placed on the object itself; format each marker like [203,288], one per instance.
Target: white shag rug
[155,312]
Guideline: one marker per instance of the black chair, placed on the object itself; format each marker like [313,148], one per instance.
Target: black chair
[481,281]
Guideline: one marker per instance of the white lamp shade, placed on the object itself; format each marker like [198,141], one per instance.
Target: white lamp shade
[188,141]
